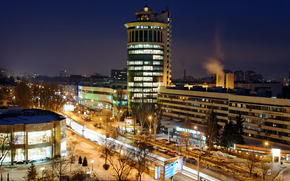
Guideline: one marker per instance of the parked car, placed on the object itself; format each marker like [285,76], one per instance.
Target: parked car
[216,168]
[148,145]
[172,153]
[156,147]
[137,141]
[190,160]
[162,150]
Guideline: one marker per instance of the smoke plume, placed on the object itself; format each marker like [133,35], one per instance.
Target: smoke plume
[214,66]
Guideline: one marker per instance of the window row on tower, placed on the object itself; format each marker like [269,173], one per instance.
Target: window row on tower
[145,46]
[145,51]
[144,84]
[145,68]
[141,62]
[145,36]
[143,90]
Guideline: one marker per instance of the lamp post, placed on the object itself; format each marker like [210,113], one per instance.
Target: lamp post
[266,143]
[92,165]
[42,170]
[150,119]
[188,152]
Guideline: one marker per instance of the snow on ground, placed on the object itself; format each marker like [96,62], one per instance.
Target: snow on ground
[84,148]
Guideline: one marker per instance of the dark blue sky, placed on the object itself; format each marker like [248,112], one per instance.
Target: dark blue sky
[89,36]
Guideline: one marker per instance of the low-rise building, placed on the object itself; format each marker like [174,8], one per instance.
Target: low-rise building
[36,134]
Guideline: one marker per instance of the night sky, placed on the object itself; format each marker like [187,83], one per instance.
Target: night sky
[89,36]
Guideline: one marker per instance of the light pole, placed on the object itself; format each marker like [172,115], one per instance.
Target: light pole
[92,165]
[150,119]
[42,170]
[188,152]
[266,143]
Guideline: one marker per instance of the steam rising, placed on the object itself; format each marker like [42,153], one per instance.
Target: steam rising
[214,65]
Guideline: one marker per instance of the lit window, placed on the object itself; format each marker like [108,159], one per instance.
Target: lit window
[147,73]
[147,68]
[157,57]
[157,63]
[147,78]
[138,78]
[138,84]
[137,95]
[157,74]
[146,84]
[131,84]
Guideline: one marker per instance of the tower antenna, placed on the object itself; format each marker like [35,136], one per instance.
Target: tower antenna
[167,8]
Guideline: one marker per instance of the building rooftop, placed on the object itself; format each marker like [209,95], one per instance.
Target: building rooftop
[28,116]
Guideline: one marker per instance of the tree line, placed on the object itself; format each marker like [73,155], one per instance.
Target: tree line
[47,96]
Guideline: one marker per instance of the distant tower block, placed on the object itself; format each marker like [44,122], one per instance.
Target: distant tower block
[220,80]
[230,81]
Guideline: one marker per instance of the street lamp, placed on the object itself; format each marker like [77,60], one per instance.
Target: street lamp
[266,143]
[92,165]
[188,152]
[42,170]
[150,119]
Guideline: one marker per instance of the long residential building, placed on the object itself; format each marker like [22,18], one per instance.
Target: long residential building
[265,118]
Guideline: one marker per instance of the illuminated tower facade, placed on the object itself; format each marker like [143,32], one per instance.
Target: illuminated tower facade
[148,49]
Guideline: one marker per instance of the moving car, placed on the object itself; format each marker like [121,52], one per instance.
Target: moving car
[137,141]
[190,160]
[172,153]
[162,150]
[216,168]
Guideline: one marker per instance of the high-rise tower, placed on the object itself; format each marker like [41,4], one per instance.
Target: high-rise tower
[148,48]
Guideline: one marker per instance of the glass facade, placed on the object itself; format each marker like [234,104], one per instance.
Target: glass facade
[39,137]
[19,155]
[39,153]
[19,137]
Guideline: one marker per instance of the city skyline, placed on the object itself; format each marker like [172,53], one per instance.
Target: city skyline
[44,37]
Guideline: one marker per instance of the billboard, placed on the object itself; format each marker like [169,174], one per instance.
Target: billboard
[173,168]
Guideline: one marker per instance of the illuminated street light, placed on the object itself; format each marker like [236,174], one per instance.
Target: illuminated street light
[42,170]
[92,165]
[266,143]
[150,118]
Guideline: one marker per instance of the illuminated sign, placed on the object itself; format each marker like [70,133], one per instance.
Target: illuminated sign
[157,172]
[88,88]
[68,107]
[173,168]
[187,130]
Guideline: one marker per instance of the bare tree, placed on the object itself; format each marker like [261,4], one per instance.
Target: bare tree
[185,137]
[142,160]
[71,152]
[264,164]
[107,150]
[251,161]
[23,95]
[59,166]
[121,163]
[142,112]
[6,144]
[82,176]
[119,100]
[158,113]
